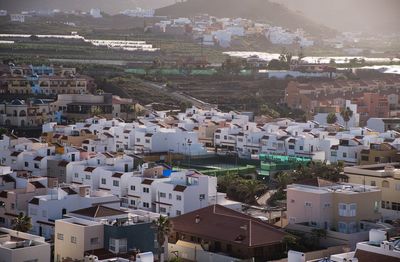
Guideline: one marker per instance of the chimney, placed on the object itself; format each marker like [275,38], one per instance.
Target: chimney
[197,220]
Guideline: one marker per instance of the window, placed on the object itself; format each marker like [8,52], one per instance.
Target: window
[333,153]
[137,139]
[373,183]
[146,190]
[26,164]
[178,197]
[342,227]
[36,166]
[60,236]
[133,188]
[385,183]
[377,159]
[218,137]
[202,197]
[308,204]
[12,206]
[76,175]
[133,202]
[146,205]
[115,183]
[73,239]
[163,195]
[397,187]
[327,205]
[163,210]
[344,154]
[170,196]
[94,241]
[291,147]
[347,210]
[395,206]
[87,177]
[385,204]
[301,148]
[103,181]
[178,212]
[353,227]
[2,220]
[44,213]
[365,158]
[147,141]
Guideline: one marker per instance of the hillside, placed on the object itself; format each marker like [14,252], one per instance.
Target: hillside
[107,6]
[258,10]
[355,15]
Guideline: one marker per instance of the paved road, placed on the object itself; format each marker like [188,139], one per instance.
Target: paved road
[178,95]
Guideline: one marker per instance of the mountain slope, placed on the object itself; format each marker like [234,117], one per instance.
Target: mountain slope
[355,15]
[259,10]
[108,6]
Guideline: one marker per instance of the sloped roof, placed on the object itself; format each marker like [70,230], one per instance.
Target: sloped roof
[34,201]
[316,181]
[224,224]
[179,188]
[37,184]
[98,211]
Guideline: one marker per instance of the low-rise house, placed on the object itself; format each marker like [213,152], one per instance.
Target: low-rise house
[384,176]
[19,246]
[340,209]
[224,233]
[383,124]
[45,209]
[104,232]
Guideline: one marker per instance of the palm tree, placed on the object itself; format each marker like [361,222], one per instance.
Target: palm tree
[331,118]
[163,227]
[346,114]
[22,223]
[253,189]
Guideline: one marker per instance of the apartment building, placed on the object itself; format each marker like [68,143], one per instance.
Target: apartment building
[32,113]
[337,207]
[104,232]
[372,97]
[19,246]
[180,193]
[45,209]
[386,177]
[14,201]
[345,211]
[46,80]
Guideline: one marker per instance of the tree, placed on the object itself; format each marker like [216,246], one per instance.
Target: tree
[22,223]
[163,227]
[316,235]
[3,131]
[346,114]
[290,242]
[331,118]
[301,55]
[266,110]
[96,111]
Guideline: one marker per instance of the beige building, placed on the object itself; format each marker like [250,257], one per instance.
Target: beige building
[384,176]
[26,113]
[75,236]
[22,247]
[336,207]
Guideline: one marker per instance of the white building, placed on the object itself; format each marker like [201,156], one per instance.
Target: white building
[95,12]
[180,193]
[19,246]
[17,18]
[44,210]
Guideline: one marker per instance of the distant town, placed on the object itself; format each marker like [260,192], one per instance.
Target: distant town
[144,137]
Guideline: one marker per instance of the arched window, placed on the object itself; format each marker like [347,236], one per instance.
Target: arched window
[22,113]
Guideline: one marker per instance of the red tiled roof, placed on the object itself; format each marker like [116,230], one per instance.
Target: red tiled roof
[224,224]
